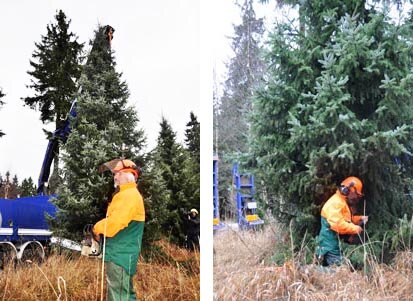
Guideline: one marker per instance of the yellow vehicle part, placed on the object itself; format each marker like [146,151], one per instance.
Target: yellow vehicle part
[251,217]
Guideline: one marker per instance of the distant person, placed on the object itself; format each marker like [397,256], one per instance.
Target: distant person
[123,228]
[337,219]
[193,229]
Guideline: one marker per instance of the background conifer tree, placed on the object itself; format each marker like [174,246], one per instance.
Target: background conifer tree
[232,111]
[192,137]
[56,68]
[9,188]
[192,164]
[156,197]
[28,188]
[172,159]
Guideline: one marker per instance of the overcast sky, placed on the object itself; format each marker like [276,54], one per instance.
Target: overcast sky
[156,46]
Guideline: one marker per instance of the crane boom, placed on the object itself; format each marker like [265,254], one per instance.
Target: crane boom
[60,134]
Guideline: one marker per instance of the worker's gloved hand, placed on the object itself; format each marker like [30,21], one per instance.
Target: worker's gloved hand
[364,219]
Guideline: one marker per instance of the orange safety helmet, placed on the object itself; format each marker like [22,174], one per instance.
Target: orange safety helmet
[351,184]
[117,165]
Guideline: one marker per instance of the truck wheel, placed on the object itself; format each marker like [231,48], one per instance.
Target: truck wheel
[32,252]
[8,255]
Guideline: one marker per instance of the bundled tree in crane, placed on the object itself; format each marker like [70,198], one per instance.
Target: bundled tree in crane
[56,64]
[337,103]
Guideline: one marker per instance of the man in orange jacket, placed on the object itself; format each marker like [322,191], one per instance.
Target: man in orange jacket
[123,228]
[337,219]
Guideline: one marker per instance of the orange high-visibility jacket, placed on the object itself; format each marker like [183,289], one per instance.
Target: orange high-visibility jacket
[126,206]
[338,215]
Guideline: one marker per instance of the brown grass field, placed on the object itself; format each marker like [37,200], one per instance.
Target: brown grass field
[242,271]
[174,277]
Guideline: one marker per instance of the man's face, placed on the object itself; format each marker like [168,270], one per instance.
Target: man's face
[353,198]
[119,178]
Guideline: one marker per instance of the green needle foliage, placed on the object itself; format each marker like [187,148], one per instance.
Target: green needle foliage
[177,168]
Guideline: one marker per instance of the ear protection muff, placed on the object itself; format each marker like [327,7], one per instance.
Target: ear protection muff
[345,190]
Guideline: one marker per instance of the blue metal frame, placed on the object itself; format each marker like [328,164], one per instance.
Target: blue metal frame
[244,191]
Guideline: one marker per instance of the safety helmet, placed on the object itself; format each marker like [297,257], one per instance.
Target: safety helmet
[194,211]
[117,165]
[351,184]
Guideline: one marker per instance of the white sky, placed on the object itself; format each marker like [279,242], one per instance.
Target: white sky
[223,23]
[157,47]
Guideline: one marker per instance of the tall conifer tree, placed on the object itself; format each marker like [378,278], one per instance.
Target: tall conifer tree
[192,137]
[192,164]
[171,158]
[56,68]
[233,110]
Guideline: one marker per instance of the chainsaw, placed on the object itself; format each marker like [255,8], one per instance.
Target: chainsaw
[91,247]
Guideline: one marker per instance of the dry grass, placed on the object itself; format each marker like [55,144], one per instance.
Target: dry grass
[79,278]
[241,272]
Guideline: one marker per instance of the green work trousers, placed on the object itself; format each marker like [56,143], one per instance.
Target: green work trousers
[119,284]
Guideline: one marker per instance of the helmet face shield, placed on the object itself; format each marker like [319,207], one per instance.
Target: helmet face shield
[118,165]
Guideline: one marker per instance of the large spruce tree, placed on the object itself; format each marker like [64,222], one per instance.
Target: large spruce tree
[338,103]
[56,68]
[105,128]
